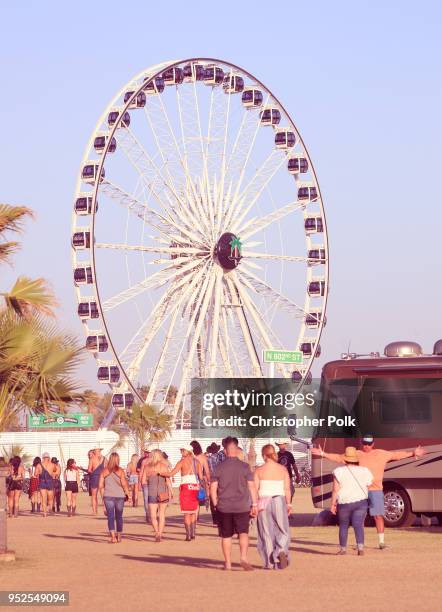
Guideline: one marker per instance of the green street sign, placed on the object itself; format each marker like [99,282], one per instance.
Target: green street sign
[275,356]
[56,421]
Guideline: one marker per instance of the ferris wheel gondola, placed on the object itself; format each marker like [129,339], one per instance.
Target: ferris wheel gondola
[207,247]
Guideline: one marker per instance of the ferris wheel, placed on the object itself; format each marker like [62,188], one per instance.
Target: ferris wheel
[199,236]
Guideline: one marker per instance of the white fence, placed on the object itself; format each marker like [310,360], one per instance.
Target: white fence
[75,444]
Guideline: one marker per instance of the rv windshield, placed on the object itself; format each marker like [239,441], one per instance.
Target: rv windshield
[386,406]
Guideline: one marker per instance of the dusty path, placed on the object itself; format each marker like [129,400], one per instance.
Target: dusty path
[139,574]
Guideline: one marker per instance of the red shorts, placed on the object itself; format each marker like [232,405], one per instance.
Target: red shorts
[189,497]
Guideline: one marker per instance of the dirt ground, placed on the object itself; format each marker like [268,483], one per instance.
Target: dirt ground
[60,553]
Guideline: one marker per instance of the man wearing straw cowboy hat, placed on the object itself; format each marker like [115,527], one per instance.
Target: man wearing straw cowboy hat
[375,459]
[350,498]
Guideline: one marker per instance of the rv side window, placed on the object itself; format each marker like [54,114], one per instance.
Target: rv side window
[403,408]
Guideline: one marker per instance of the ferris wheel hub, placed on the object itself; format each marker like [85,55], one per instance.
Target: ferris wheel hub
[228,251]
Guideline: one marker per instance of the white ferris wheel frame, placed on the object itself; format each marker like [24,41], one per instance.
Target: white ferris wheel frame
[137,84]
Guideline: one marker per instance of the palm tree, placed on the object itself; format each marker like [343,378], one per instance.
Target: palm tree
[145,423]
[15,450]
[11,220]
[37,361]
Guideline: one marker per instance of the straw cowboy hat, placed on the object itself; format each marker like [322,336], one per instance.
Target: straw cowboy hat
[351,455]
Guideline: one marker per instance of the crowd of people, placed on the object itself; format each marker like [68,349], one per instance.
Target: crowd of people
[220,478]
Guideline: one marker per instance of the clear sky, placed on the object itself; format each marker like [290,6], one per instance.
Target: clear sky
[361,79]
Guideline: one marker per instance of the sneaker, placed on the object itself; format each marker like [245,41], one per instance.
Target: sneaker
[341,551]
[360,552]
[382,545]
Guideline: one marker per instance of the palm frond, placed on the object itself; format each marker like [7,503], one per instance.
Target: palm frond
[7,249]
[12,217]
[29,296]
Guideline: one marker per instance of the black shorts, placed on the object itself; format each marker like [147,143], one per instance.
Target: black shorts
[232,522]
[71,485]
[16,485]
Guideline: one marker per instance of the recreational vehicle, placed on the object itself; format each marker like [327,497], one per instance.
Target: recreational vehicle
[398,398]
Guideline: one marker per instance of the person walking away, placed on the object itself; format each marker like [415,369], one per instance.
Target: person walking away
[96,465]
[272,482]
[47,483]
[34,485]
[205,480]
[132,474]
[286,458]
[231,489]
[72,484]
[213,460]
[15,485]
[56,502]
[160,491]
[191,473]
[350,498]
[114,490]
[375,459]
[143,483]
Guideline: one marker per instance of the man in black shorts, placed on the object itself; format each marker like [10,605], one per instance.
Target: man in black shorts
[233,494]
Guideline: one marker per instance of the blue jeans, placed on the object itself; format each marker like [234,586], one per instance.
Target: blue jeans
[145,489]
[353,513]
[114,509]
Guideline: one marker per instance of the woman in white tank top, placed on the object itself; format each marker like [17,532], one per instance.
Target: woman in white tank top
[274,506]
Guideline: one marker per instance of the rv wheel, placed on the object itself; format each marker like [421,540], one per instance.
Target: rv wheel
[398,508]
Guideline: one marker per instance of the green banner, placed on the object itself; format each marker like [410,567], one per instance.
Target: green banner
[56,421]
[275,356]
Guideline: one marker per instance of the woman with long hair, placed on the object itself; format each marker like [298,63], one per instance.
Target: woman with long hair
[34,485]
[114,489]
[72,483]
[191,474]
[159,491]
[272,482]
[15,485]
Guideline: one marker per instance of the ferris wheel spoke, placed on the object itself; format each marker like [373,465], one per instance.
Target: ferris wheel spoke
[201,311]
[214,331]
[161,314]
[156,280]
[190,216]
[140,159]
[245,328]
[255,225]
[134,352]
[160,363]
[135,206]
[260,323]
[255,187]
[148,170]
[242,149]
[276,298]
[224,357]
[276,257]
[178,250]
[191,133]
[198,295]
[166,142]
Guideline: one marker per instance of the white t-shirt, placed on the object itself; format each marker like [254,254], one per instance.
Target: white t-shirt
[354,481]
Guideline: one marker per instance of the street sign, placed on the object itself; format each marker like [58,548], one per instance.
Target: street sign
[56,421]
[275,356]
